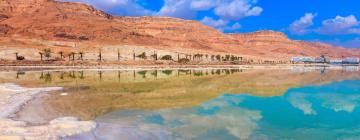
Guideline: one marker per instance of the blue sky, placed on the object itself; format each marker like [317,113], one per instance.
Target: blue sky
[331,21]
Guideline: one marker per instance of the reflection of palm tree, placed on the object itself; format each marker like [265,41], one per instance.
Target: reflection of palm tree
[42,75]
[155,74]
[19,73]
[218,72]
[62,75]
[167,72]
[119,75]
[198,73]
[100,75]
[82,75]
[134,74]
[72,74]
[47,77]
[143,73]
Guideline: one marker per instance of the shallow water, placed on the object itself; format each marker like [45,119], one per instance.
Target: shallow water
[300,103]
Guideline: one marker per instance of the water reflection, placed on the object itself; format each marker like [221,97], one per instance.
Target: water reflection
[221,118]
[47,76]
[328,112]
[93,93]
[144,74]
[344,96]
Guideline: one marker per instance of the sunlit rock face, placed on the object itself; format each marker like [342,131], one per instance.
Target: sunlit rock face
[14,7]
[35,22]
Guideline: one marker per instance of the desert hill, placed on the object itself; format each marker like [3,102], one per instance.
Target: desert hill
[27,26]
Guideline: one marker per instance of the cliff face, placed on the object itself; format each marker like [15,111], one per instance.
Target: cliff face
[74,22]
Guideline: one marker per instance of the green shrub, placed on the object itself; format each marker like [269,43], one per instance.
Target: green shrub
[20,58]
[184,60]
[166,57]
[142,55]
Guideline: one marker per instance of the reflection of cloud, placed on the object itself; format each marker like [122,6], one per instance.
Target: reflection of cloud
[222,115]
[340,102]
[298,101]
[343,96]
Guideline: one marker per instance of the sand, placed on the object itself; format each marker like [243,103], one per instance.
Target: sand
[13,97]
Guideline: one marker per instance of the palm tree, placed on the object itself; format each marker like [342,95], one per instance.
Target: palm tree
[47,53]
[16,55]
[142,55]
[73,56]
[100,55]
[154,56]
[41,56]
[118,52]
[81,55]
[61,55]
[69,56]
[178,57]
[134,55]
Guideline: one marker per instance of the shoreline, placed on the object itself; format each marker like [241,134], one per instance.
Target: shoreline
[172,67]
[14,97]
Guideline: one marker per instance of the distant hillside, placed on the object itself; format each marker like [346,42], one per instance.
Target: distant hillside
[38,24]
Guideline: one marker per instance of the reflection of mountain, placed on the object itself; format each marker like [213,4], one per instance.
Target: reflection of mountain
[90,97]
[221,118]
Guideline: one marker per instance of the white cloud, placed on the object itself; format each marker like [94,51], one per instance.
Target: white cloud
[187,123]
[237,9]
[202,4]
[235,26]
[177,8]
[340,25]
[220,24]
[214,23]
[301,25]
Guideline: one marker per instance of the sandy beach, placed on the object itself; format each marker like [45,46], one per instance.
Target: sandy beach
[13,97]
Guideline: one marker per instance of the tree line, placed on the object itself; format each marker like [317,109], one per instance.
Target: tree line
[47,55]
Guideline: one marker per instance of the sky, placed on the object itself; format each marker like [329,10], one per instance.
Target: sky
[331,21]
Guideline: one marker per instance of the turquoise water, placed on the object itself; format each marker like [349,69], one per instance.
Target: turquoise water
[316,112]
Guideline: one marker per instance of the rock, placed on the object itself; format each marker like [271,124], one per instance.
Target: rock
[30,18]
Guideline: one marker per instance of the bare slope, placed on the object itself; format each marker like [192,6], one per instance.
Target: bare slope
[48,20]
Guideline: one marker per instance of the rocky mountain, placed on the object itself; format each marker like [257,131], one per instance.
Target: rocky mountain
[37,24]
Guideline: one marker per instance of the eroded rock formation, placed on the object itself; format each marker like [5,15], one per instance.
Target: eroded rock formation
[51,20]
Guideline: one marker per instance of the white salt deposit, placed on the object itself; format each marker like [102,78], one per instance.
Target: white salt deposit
[13,97]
